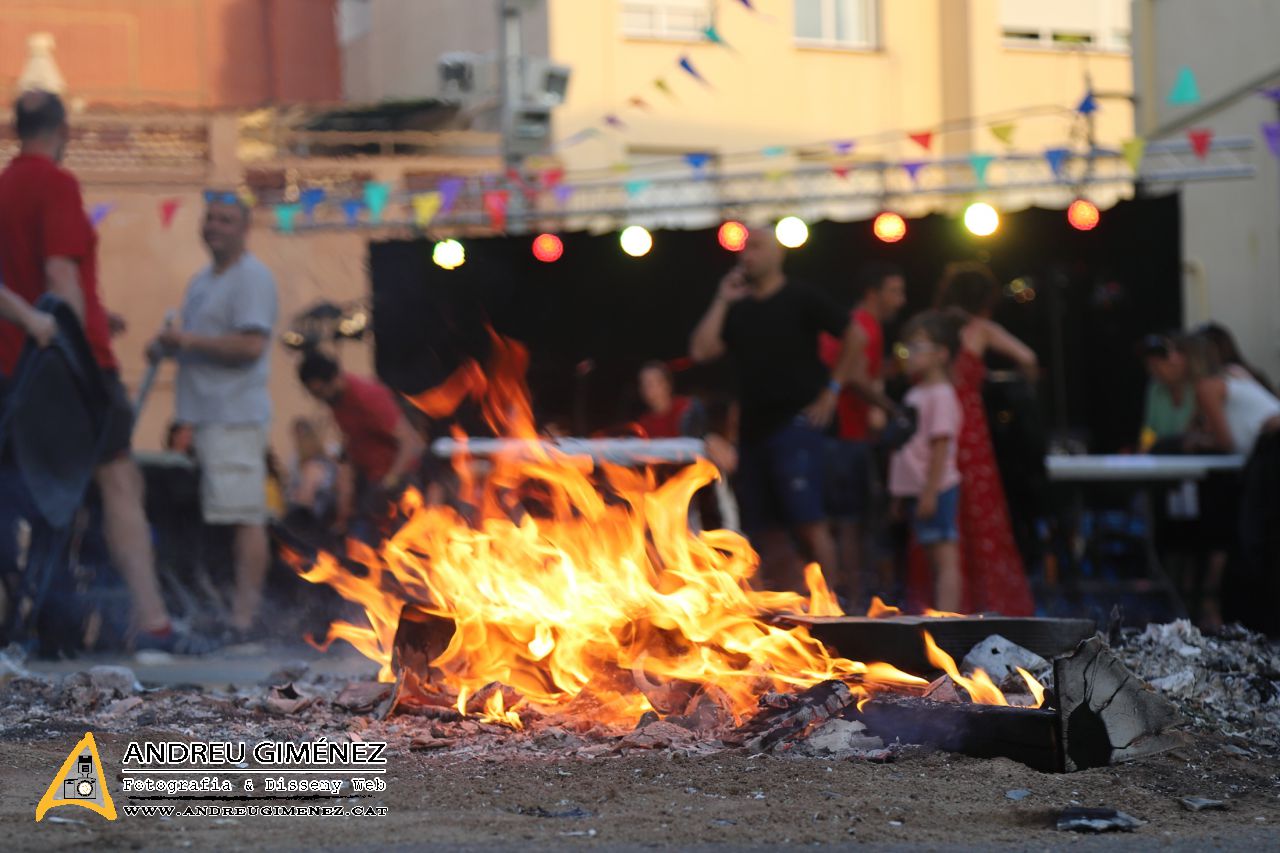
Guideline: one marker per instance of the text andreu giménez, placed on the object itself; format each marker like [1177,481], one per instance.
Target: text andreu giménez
[271,753]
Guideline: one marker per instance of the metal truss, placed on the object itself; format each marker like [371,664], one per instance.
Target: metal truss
[817,191]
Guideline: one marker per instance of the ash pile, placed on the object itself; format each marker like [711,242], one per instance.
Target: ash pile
[1228,683]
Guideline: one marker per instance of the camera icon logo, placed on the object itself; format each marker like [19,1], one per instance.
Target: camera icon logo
[79,782]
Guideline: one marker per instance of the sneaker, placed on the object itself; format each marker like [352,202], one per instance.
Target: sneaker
[175,641]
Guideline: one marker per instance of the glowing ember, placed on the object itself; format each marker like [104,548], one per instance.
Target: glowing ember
[582,588]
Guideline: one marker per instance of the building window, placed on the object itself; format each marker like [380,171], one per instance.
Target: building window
[1080,25]
[678,20]
[838,23]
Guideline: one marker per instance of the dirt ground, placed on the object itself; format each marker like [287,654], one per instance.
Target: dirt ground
[923,800]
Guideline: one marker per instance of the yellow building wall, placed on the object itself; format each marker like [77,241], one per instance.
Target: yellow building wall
[938,60]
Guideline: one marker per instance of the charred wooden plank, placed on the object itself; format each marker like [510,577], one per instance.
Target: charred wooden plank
[1108,714]
[421,637]
[1028,735]
[788,716]
[896,639]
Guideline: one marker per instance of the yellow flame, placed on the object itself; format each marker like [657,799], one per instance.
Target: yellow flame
[1036,688]
[495,712]
[878,609]
[980,687]
[575,583]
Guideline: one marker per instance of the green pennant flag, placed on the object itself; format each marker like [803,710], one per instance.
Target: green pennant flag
[979,164]
[1185,92]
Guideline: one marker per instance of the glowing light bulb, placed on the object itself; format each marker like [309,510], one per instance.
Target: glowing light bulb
[547,248]
[981,219]
[636,241]
[733,236]
[449,254]
[1083,215]
[889,227]
[791,232]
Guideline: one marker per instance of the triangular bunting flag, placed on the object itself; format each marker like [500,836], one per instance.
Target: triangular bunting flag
[615,122]
[621,167]
[843,146]
[285,216]
[1200,138]
[747,3]
[697,160]
[1057,158]
[841,170]
[775,174]
[774,151]
[1273,93]
[638,102]
[351,210]
[562,193]
[912,168]
[1003,132]
[1133,149]
[425,208]
[450,189]
[99,212]
[637,186]
[169,209]
[1088,104]
[924,139]
[664,87]
[979,164]
[1271,133]
[79,782]
[495,204]
[687,66]
[310,199]
[552,177]
[1185,92]
[376,194]
[712,35]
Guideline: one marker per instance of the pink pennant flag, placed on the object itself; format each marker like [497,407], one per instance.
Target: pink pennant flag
[552,177]
[1200,138]
[841,170]
[169,209]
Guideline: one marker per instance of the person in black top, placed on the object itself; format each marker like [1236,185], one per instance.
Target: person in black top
[769,326]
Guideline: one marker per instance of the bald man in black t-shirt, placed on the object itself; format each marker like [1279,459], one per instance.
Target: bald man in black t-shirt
[769,327]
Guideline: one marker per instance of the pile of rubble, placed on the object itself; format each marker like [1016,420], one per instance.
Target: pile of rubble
[1229,683]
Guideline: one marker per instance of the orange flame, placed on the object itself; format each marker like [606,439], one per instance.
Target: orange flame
[980,687]
[575,583]
[878,609]
[1036,688]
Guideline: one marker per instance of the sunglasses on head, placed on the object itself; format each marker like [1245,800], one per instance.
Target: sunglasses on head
[221,197]
[1157,345]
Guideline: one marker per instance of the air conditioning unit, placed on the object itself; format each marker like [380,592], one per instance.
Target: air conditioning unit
[546,83]
[530,130]
[467,76]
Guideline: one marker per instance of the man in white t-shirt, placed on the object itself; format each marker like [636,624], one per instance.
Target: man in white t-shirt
[222,346]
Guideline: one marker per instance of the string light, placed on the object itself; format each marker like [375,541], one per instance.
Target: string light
[547,248]
[449,254]
[1083,215]
[889,227]
[981,219]
[791,232]
[733,236]
[636,241]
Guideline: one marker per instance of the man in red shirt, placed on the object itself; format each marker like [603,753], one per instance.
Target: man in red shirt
[881,295]
[47,244]
[380,447]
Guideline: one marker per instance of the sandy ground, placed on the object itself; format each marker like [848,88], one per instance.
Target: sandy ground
[924,800]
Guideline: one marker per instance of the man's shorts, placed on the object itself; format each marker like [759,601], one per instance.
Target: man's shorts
[942,526]
[233,473]
[847,480]
[118,436]
[779,481]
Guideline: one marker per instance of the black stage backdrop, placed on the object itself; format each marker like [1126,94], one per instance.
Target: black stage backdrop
[594,316]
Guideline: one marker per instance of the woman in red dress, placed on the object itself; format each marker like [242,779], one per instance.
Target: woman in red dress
[995,580]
